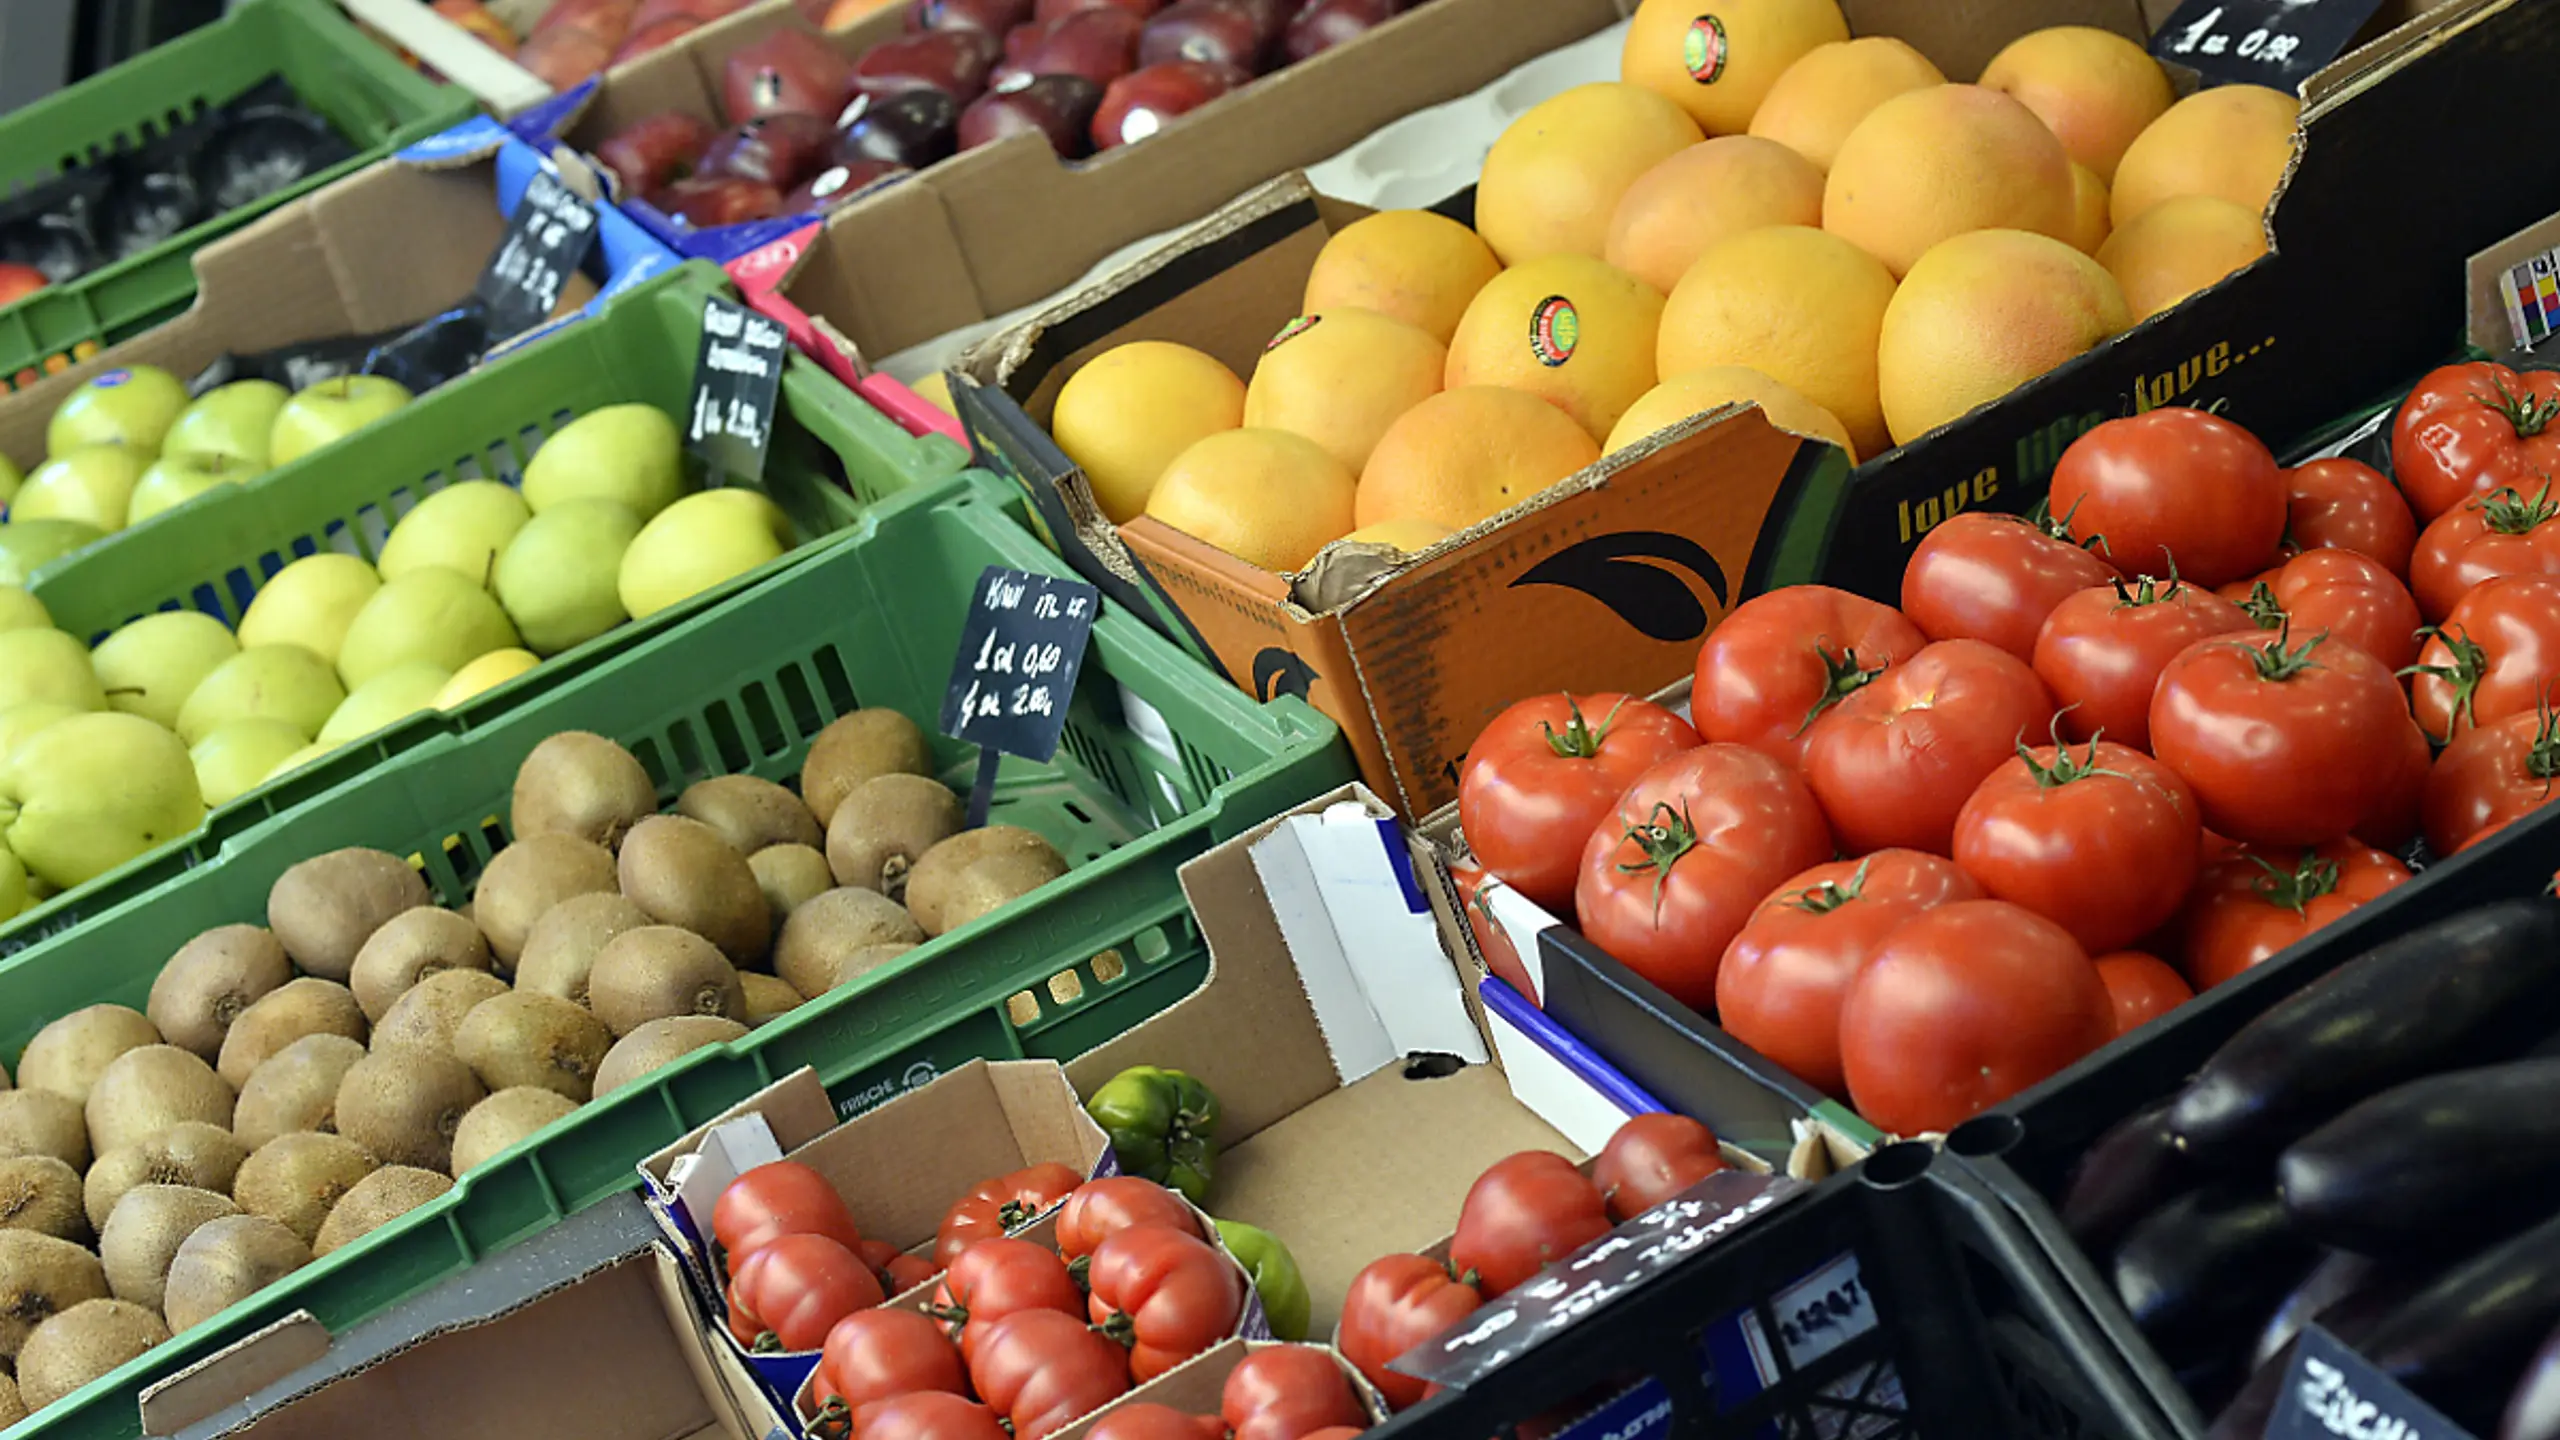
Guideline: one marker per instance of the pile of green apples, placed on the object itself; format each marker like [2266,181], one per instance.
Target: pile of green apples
[129,444]
[107,754]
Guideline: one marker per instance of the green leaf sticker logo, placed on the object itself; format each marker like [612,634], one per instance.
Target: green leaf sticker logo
[1291,331]
[1554,330]
[1703,49]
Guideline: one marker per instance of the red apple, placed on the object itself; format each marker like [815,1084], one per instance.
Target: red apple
[645,38]
[18,280]
[1272,16]
[564,55]
[710,200]
[649,152]
[1100,45]
[954,62]
[913,129]
[1058,108]
[1220,32]
[1143,102]
[1139,9]
[837,184]
[780,150]
[786,70]
[996,17]
[701,12]
[1328,23]
[608,19]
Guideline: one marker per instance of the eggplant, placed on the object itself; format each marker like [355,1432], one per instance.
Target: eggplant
[2130,1171]
[2362,1292]
[436,349]
[2337,1276]
[2533,1411]
[2461,1341]
[2477,985]
[2385,1177]
[2199,1273]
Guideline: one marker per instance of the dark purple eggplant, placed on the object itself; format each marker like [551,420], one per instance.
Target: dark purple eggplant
[2384,1178]
[2533,1411]
[2350,1315]
[2337,1276]
[256,152]
[2463,1339]
[2129,1172]
[2478,985]
[2203,1271]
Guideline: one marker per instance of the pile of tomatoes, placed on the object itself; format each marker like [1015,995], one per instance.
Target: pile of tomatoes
[2098,759]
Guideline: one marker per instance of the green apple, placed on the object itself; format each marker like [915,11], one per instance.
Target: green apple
[310,603]
[298,759]
[234,759]
[274,682]
[11,477]
[93,485]
[486,673]
[400,691]
[430,614]
[559,577]
[131,405]
[330,411]
[180,476]
[151,666]
[234,420]
[22,611]
[14,899]
[17,722]
[697,543]
[89,793]
[27,546]
[460,527]
[630,453]
[47,665]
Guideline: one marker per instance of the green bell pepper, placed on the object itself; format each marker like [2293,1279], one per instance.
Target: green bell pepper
[1164,1124]
[1285,1302]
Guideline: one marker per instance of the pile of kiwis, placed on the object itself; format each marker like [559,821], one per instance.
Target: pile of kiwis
[290,1087]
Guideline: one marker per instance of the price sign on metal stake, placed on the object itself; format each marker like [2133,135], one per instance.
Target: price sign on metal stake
[547,240]
[737,385]
[2276,43]
[1021,648]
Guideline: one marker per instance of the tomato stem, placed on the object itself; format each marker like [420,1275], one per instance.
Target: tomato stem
[2263,608]
[1119,1328]
[767,1343]
[1830,895]
[2507,512]
[1667,835]
[2310,878]
[2469,666]
[834,1419]
[2042,517]
[2542,758]
[1581,740]
[2066,767]
[2530,415]
[2133,595]
[2280,661]
[1842,678]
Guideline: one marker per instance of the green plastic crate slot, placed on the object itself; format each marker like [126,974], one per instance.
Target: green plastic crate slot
[743,688]
[364,91]
[215,553]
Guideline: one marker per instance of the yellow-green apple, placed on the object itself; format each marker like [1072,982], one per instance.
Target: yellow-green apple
[150,666]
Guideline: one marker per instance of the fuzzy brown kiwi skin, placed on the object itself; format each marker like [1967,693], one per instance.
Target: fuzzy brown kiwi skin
[193,1153]
[684,874]
[561,949]
[581,784]
[144,1233]
[324,909]
[529,877]
[403,1106]
[296,1179]
[81,1344]
[540,1040]
[409,947]
[503,1119]
[39,1122]
[936,876]
[660,971]
[67,1055]
[42,1194]
[308,1006]
[749,813]
[822,933]
[150,1089]
[660,1043]
[790,876]
[40,1277]
[427,1017]
[856,747]
[378,1199]
[210,981]
[885,825]
[225,1261]
[296,1089]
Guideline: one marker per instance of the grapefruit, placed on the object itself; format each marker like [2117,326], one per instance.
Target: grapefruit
[1405,535]
[1556,174]
[1341,377]
[1131,409]
[1934,163]
[1419,267]
[1700,391]
[2088,210]
[1267,497]
[1799,305]
[1823,96]
[2179,247]
[1679,208]
[1980,315]
[2093,88]
[1468,453]
[2233,141]
[1576,332]
[1718,61]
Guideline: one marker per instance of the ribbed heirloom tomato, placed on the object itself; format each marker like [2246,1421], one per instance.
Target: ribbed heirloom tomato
[1166,1295]
[2141,988]
[777,1199]
[1395,1303]
[1475,889]
[1146,1420]
[1895,762]
[2490,776]
[995,1278]
[2469,429]
[1651,1158]
[1524,1213]
[2505,532]
[2102,650]
[2101,841]
[1288,1392]
[2496,655]
[1545,772]
[2247,906]
[874,1354]
[2173,492]
[927,1415]
[1041,1370]
[1991,577]
[2348,597]
[2283,741]
[801,1285]
[1780,661]
[1003,1203]
[2342,504]
[1102,1208]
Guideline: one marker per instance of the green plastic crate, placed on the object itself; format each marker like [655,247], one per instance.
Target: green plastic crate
[743,688]
[375,101]
[214,553]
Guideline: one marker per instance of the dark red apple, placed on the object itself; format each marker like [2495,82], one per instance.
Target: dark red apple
[563,56]
[954,62]
[996,17]
[705,201]
[1141,9]
[606,19]
[1100,45]
[837,184]
[1057,107]
[1143,102]
[780,150]
[1272,16]
[786,70]
[645,38]
[913,129]
[1220,32]
[1328,23]
[647,153]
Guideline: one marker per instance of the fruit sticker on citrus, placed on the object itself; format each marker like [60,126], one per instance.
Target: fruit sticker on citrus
[112,378]
[1554,331]
[1702,49]
[1291,331]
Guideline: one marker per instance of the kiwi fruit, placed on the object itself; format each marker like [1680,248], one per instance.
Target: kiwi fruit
[12,1409]
[502,1120]
[210,981]
[409,947]
[324,909]
[297,1089]
[39,1122]
[307,1006]
[378,1199]
[581,785]
[81,1344]
[768,997]
[403,1106]
[658,1043]
[1015,855]
[67,1056]
[427,1017]
[563,944]
[40,1277]
[996,882]
[884,825]
[684,874]
[528,878]
[657,971]
[143,1235]
[193,1153]
[790,876]
[854,749]
[226,1260]
[148,1090]
[539,1040]
[296,1179]
[821,933]
[40,1193]
[750,813]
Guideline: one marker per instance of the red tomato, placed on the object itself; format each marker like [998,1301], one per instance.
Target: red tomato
[1101,1208]
[1525,1212]
[2346,596]
[1395,1303]
[1338,1432]
[2283,742]
[1692,847]
[2173,492]
[2101,652]
[2101,842]
[2245,909]
[782,1198]
[1288,1392]
[1006,1202]
[2469,429]
[1166,1295]
[1146,1420]
[1042,1370]
[744,1327]
[1651,1158]
[993,1279]
[2342,504]
[2141,988]
[2490,776]
[1546,771]
[2496,655]
[2393,821]
[1782,980]
[927,1415]
[2486,536]
[1963,1007]
[874,1354]
[1493,942]
[1983,576]
[1893,764]
[1782,659]
[800,1286]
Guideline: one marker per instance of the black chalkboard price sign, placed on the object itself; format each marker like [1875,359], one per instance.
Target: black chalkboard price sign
[2276,43]
[547,240]
[737,385]
[1021,648]
[2331,1392]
